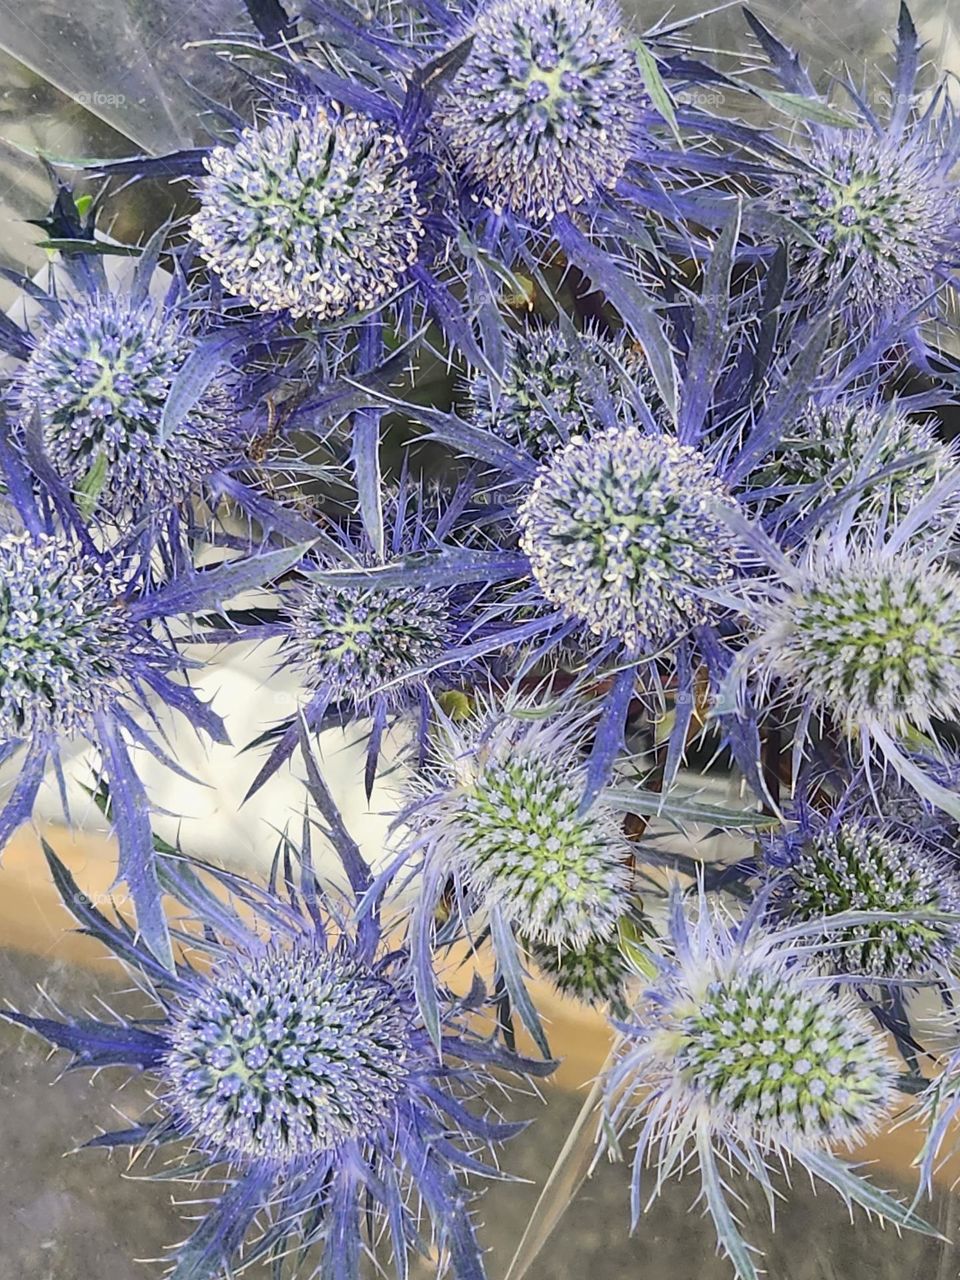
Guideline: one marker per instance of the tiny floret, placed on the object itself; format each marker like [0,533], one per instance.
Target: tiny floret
[64,645]
[544,112]
[98,380]
[284,1055]
[622,532]
[857,865]
[317,214]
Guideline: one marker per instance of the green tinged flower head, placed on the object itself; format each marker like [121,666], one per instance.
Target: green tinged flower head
[869,638]
[504,808]
[859,865]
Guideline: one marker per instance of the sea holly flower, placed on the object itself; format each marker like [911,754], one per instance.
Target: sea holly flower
[315,213]
[98,379]
[876,457]
[857,862]
[545,110]
[599,974]
[539,403]
[131,401]
[738,1054]
[863,633]
[361,649]
[877,199]
[496,825]
[85,651]
[621,533]
[289,1065]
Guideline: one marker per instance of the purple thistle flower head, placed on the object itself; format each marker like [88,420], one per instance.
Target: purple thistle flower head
[597,974]
[889,459]
[289,1061]
[540,403]
[66,647]
[499,809]
[738,1053]
[355,640]
[544,112]
[869,638]
[98,379]
[853,862]
[883,211]
[621,533]
[283,1055]
[315,213]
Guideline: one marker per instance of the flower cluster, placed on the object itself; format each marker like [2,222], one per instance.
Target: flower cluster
[562,481]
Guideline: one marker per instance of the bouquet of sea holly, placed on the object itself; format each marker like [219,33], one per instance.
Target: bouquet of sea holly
[565,403]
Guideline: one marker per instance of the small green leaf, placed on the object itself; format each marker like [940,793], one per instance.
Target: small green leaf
[655,87]
[83,204]
[91,486]
[631,935]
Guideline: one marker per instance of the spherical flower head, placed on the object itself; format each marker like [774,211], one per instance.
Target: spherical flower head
[541,403]
[832,448]
[286,1054]
[773,1055]
[507,810]
[317,214]
[544,111]
[64,643]
[98,379]
[870,639]
[859,865]
[884,214]
[596,974]
[622,532]
[356,640]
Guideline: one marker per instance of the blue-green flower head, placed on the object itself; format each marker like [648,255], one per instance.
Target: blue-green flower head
[544,113]
[541,403]
[772,1057]
[65,645]
[503,813]
[622,533]
[98,379]
[597,974]
[284,1055]
[890,458]
[884,213]
[738,1055]
[858,864]
[356,640]
[288,1061]
[869,638]
[316,214]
